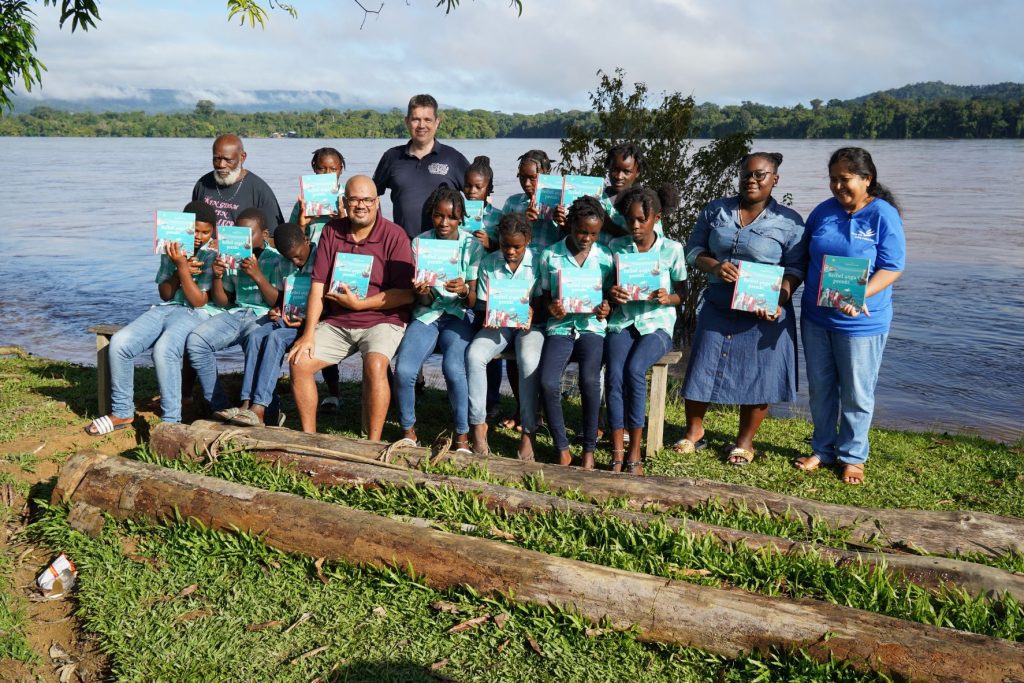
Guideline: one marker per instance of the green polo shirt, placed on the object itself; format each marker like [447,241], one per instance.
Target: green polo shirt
[552,262]
[493,267]
[470,254]
[247,292]
[545,231]
[649,316]
[204,280]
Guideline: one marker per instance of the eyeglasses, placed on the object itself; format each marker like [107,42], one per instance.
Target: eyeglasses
[758,175]
[360,201]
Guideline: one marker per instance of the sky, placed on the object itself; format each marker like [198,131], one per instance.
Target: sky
[483,56]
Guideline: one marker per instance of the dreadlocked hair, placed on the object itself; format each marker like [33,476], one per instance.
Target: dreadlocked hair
[482,166]
[445,193]
[539,158]
[661,201]
[583,208]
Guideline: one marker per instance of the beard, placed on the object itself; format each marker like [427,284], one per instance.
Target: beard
[228,180]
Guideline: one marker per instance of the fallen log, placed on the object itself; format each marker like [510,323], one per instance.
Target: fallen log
[938,532]
[727,622]
[931,572]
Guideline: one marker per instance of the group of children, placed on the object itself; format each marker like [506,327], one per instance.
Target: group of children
[207,308]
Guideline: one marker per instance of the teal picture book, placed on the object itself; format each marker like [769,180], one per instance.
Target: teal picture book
[352,270]
[580,289]
[577,186]
[437,261]
[474,219]
[296,294]
[548,194]
[234,244]
[757,287]
[320,193]
[639,273]
[174,226]
[844,280]
[508,303]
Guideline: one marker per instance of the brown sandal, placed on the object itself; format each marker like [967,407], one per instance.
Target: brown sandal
[808,463]
[853,474]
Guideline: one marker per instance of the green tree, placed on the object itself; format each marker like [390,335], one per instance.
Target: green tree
[664,135]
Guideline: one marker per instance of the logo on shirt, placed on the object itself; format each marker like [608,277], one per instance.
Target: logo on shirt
[438,169]
[868,234]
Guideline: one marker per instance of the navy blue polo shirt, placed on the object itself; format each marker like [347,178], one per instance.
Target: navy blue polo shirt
[411,181]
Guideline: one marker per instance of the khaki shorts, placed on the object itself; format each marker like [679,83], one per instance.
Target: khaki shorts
[334,344]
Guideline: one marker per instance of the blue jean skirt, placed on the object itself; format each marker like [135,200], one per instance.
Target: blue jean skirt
[739,359]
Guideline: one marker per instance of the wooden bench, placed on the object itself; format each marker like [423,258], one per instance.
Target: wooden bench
[103,334]
[655,400]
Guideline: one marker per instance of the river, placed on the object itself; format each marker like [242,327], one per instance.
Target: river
[954,361]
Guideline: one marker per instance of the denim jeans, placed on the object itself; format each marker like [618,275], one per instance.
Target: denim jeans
[263,358]
[628,356]
[841,375]
[164,329]
[218,333]
[589,351]
[452,334]
[487,344]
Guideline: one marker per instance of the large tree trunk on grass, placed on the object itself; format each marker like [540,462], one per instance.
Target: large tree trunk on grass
[931,572]
[931,531]
[728,622]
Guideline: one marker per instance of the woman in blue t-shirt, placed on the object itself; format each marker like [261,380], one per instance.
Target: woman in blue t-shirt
[843,344]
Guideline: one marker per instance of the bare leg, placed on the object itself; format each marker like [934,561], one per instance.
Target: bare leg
[633,465]
[480,446]
[618,449]
[750,420]
[303,374]
[588,460]
[376,393]
[564,457]
[526,447]
[695,411]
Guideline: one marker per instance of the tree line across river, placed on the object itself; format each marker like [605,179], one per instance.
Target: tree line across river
[889,115]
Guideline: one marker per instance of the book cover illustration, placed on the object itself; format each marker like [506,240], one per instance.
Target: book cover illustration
[320,193]
[844,280]
[639,273]
[548,194]
[577,186]
[174,226]
[296,294]
[474,219]
[757,287]
[437,262]
[580,289]
[234,244]
[508,303]
[353,270]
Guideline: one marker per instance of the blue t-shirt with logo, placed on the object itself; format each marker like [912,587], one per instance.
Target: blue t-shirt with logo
[875,233]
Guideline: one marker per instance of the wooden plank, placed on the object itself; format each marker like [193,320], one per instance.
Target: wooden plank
[727,622]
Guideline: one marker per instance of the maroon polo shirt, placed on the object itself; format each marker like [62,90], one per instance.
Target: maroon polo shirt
[392,269]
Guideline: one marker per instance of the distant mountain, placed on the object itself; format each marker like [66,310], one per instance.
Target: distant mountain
[164,100]
[937,90]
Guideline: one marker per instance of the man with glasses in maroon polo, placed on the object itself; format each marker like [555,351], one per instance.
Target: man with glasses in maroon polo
[372,325]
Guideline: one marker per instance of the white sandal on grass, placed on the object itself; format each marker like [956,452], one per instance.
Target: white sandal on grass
[104,425]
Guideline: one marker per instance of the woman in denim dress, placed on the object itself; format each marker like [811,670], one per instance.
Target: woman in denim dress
[739,357]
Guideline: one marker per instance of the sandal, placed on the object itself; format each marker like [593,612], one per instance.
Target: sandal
[330,404]
[740,457]
[808,463]
[104,425]
[226,414]
[245,418]
[685,446]
[853,474]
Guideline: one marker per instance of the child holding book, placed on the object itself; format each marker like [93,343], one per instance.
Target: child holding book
[439,317]
[545,231]
[478,185]
[247,293]
[325,160]
[579,331]
[183,279]
[513,263]
[269,343]
[640,331]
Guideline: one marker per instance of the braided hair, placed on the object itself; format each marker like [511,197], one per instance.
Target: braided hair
[661,201]
[773,158]
[583,208]
[482,166]
[324,152]
[445,193]
[515,224]
[539,158]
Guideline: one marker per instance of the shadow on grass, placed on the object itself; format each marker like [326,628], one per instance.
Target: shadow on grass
[384,672]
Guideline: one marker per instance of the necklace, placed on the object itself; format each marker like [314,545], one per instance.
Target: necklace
[739,215]
[238,186]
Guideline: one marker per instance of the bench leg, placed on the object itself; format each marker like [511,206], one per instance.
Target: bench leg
[656,410]
[103,374]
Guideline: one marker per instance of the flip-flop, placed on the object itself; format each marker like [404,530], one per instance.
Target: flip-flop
[226,414]
[685,446]
[246,418]
[744,456]
[330,404]
[104,425]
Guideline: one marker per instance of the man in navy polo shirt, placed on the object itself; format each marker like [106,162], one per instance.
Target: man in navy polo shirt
[413,170]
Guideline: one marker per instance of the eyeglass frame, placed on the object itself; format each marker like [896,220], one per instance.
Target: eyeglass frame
[745,174]
[360,201]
